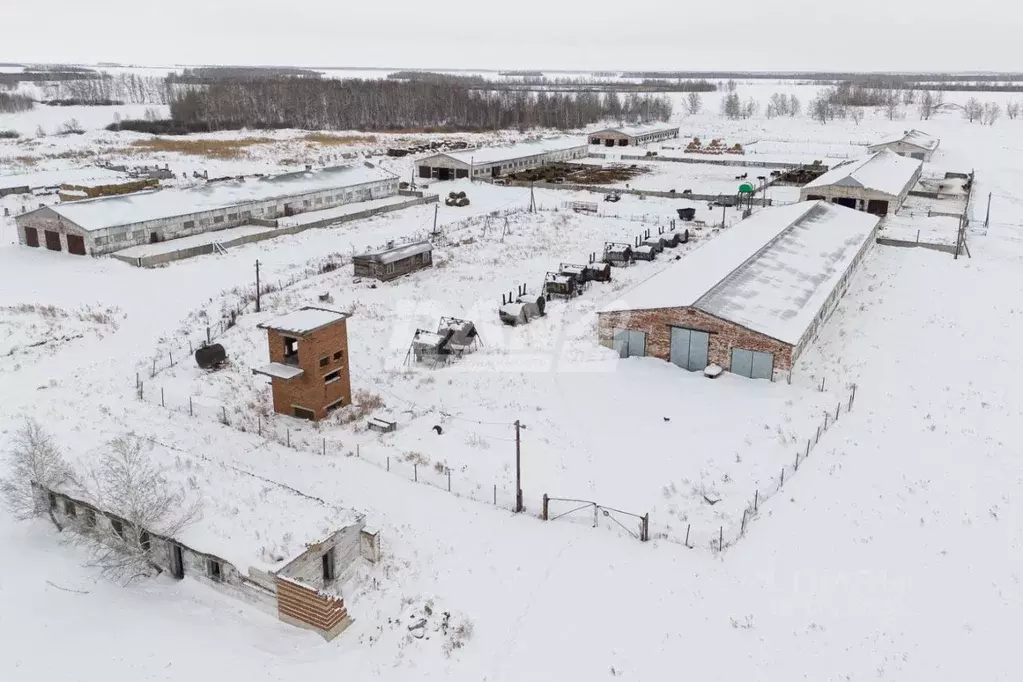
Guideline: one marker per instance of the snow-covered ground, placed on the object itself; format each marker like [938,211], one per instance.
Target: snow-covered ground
[892,554]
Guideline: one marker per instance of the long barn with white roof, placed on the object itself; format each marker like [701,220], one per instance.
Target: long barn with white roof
[749,300]
[493,162]
[107,224]
[877,184]
[635,136]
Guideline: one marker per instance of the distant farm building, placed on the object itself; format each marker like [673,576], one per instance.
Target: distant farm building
[308,362]
[877,184]
[634,136]
[394,261]
[750,300]
[912,143]
[285,553]
[108,224]
[92,190]
[493,162]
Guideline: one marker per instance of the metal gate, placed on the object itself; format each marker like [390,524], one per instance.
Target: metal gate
[690,348]
[752,364]
[615,517]
[629,343]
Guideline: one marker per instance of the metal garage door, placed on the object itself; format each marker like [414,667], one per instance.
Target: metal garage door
[31,236]
[752,364]
[690,348]
[629,343]
[52,240]
[75,245]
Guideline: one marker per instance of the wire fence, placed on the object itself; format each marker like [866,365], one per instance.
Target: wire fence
[723,537]
[309,438]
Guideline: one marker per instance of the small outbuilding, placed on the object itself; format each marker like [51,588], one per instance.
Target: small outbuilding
[750,300]
[493,162]
[877,184]
[634,136]
[912,143]
[308,362]
[394,261]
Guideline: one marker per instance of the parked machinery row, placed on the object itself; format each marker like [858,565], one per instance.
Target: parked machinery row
[646,246]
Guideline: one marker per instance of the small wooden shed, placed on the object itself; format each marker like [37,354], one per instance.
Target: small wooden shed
[394,261]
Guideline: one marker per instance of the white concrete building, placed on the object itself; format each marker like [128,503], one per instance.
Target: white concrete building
[492,162]
[877,184]
[634,136]
[912,143]
[263,543]
[107,224]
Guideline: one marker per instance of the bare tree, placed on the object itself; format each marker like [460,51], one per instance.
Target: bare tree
[927,105]
[35,466]
[731,106]
[750,108]
[891,104]
[795,106]
[820,108]
[991,113]
[778,105]
[1012,110]
[127,482]
[693,103]
[973,110]
[731,85]
[856,114]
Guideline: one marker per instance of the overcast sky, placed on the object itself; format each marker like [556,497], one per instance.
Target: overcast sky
[751,35]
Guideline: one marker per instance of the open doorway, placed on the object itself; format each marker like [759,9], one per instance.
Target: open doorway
[848,202]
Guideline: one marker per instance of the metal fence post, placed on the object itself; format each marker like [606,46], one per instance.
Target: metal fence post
[721,538]
[388,462]
[689,527]
[324,447]
[162,403]
[415,472]
[782,477]
[543,513]
[449,480]
[189,406]
[756,499]
[289,437]
[645,534]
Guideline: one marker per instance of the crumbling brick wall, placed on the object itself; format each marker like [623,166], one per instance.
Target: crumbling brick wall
[309,608]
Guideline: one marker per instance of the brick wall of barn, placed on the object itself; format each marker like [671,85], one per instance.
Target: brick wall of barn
[311,390]
[724,336]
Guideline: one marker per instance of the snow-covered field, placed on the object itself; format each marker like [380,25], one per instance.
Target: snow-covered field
[892,554]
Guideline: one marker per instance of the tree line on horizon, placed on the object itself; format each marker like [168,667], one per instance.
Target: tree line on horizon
[381,105]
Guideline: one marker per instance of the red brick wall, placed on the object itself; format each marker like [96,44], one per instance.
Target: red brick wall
[309,390]
[308,607]
[723,335]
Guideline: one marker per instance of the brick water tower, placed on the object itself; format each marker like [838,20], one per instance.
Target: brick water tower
[308,366]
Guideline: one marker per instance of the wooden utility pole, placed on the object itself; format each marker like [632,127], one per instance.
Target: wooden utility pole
[518,467]
[987,218]
[436,209]
[257,285]
[723,209]
[532,199]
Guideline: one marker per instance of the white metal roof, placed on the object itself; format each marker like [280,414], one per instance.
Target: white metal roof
[304,320]
[488,155]
[915,137]
[781,291]
[397,253]
[639,130]
[127,209]
[884,171]
[770,273]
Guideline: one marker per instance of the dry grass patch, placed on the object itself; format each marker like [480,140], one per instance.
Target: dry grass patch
[339,140]
[214,149]
[26,160]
